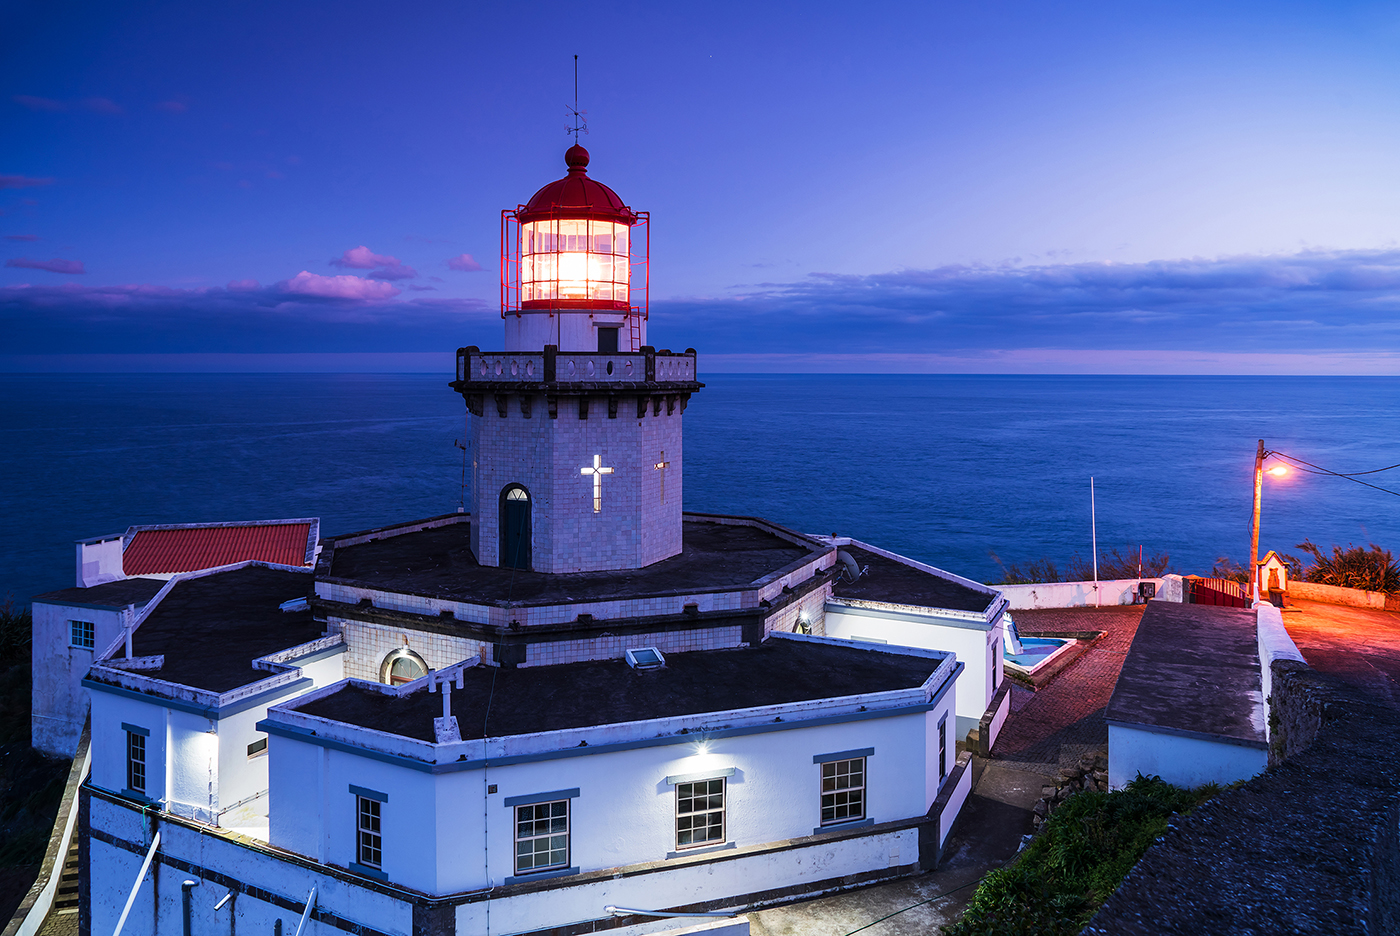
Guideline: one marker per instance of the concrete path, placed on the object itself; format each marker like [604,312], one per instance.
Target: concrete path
[1358,645]
[989,831]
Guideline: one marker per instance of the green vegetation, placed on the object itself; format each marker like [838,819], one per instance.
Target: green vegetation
[1076,861]
[1112,565]
[1373,569]
[31,786]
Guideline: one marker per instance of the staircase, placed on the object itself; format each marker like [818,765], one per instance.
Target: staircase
[66,900]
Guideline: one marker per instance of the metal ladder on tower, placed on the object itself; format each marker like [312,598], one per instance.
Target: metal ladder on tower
[634,325]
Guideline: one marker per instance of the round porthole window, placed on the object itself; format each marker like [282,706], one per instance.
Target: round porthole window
[402,666]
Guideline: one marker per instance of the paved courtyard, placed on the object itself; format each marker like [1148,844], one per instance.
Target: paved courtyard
[1063,720]
[1358,645]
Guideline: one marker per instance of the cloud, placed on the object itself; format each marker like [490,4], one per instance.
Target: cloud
[1309,301]
[22,237]
[102,105]
[53,266]
[39,103]
[423,288]
[19,181]
[464,263]
[337,287]
[362,258]
[172,107]
[305,314]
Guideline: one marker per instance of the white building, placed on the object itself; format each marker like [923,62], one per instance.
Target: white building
[117,577]
[569,710]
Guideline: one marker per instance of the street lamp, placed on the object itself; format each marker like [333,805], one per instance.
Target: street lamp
[1278,471]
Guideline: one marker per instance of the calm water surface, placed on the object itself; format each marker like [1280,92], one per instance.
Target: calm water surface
[943,468]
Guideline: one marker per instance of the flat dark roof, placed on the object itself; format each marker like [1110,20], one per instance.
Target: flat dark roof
[897,583]
[1192,668]
[601,692]
[439,561]
[116,594]
[212,628]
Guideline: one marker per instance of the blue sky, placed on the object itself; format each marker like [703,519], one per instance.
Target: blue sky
[994,187]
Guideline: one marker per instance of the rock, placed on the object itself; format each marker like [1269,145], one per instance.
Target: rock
[1101,776]
[1047,791]
[1101,761]
[1041,808]
[1069,773]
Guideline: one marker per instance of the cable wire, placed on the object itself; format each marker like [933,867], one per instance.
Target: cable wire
[1296,462]
[913,906]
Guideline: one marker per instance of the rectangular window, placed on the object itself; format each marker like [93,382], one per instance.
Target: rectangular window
[943,747]
[83,634]
[135,762]
[370,848]
[843,791]
[257,747]
[541,836]
[699,813]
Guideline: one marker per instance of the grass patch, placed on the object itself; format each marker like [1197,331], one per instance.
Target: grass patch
[1079,857]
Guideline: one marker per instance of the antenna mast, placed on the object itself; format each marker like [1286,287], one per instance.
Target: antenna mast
[580,117]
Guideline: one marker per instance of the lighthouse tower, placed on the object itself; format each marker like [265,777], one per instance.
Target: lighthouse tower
[576,448]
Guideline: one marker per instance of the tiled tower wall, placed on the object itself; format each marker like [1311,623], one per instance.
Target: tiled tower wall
[635,527]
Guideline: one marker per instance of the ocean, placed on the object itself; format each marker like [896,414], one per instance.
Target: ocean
[947,469]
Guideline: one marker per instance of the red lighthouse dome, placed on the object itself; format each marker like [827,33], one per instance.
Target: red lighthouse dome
[572,248]
[576,196]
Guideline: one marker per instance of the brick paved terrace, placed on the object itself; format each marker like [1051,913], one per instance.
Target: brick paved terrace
[1053,726]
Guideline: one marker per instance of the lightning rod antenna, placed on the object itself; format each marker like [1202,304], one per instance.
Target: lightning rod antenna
[580,123]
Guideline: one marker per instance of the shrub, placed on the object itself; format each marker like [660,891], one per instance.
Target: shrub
[1080,856]
[1112,565]
[16,632]
[1373,569]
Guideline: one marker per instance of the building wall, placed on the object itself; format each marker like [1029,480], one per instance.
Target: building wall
[1181,761]
[624,813]
[59,701]
[978,648]
[368,644]
[569,331]
[636,525]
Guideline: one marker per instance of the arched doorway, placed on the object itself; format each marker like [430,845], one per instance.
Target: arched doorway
[515,527]
[402,666]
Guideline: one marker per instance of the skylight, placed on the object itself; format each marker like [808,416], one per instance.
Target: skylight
[645,658]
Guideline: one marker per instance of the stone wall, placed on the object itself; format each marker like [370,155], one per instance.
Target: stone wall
[1312,845]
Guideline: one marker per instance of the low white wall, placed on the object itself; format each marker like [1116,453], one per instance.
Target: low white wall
[1182,761]
[1332,594]
[1084,594]
[960,793]
[1274,644]
[998,719]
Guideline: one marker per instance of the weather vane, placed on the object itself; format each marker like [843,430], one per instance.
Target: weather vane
[580,117]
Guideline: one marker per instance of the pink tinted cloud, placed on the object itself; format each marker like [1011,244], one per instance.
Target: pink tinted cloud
[385,267]
[19,181]
[53,266]
[362,258]
[102,105]
[464,263]
[39,103]
[22,237]
[243,285]
[306,283]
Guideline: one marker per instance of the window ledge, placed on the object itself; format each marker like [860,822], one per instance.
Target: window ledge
[839,826]
[700,851]
[541,875]
[368,872]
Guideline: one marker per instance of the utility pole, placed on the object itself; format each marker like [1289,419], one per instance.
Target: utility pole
[1254,534]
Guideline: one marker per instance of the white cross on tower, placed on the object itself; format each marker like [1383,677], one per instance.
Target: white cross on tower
[597,471]
[661,466]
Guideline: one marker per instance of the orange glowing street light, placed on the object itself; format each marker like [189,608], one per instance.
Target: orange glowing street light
[1278,471]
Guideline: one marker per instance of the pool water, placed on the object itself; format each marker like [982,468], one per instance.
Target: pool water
[1035,652]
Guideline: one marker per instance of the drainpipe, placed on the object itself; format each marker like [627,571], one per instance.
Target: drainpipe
[145,866]
[185,902]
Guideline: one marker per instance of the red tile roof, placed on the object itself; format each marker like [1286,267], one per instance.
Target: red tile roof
[165,551]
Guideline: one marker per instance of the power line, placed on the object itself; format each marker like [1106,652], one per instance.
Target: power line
[1318,469]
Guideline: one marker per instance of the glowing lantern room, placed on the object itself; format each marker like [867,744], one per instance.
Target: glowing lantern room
[568,262]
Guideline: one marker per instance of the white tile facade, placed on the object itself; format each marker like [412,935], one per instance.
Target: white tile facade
[637,524]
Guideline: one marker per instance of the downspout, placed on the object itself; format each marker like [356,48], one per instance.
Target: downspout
[185,901]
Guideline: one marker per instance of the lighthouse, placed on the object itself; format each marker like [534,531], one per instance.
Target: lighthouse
[576,450]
